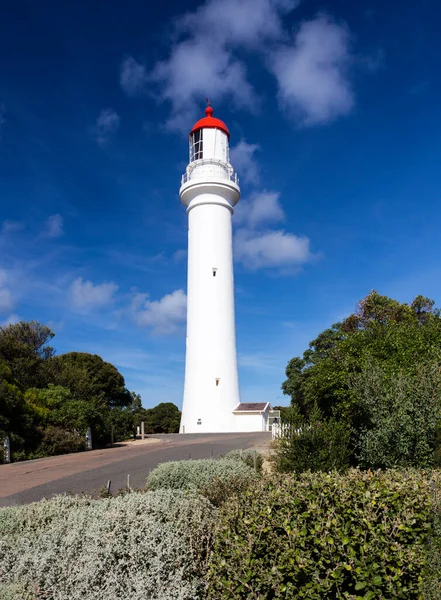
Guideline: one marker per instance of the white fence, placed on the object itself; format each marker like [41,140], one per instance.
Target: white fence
[285,430]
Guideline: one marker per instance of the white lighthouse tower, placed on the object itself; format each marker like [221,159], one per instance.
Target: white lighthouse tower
[210,190]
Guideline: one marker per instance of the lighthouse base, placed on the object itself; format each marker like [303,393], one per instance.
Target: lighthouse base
[250,417]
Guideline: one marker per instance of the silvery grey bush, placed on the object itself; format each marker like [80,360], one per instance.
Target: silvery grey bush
[196,474]
[150,546]
[250,457]
[15,592]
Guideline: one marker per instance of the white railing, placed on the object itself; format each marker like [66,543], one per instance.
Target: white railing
[209,168]
[285,430]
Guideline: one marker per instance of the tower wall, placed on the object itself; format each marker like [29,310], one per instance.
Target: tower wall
[211,390]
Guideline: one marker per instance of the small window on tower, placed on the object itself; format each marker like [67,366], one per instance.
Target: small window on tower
[214,271]
[196,146]
[217,382]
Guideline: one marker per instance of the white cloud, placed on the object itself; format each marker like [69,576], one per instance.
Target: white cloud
[53,226]
[11,226]
[207,58]
[6,298]
[202,60]
[164,315]
[11,320]
[243,161]
[271,249]
[238,22]
[312,73]
[133,77]
[107,125]
[263,207]
[196,69]
[179,255]
[84,295]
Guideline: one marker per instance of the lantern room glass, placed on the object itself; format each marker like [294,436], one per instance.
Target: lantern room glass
[196,145]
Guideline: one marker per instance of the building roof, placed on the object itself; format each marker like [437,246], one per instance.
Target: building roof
[210,122]
[252,407]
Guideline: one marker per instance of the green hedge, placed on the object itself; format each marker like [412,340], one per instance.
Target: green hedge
[359,536]
[141,545]
[197,474]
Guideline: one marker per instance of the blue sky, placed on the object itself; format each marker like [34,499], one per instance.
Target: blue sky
[333,109]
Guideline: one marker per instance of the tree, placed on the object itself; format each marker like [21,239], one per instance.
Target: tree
[47,402]
[163,418]
[397,337]
[284,412]
[89,376]
[24,348]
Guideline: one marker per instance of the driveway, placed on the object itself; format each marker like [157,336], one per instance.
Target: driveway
[87,472]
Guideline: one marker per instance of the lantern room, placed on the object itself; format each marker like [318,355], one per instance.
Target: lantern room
[209,139]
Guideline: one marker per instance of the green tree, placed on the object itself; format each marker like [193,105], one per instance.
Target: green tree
[47,402]
[397,337]
[89,376]
[163,418]
[24,348]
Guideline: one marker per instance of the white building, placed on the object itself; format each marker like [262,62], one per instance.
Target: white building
[210,190]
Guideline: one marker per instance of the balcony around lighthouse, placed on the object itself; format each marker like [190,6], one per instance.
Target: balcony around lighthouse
[209,169]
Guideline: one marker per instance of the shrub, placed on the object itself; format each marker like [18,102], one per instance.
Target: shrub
[356,536]
[59,441]
[196,474]
[16,592]
[221,490]
[314,444]
[432,573]
[400,414]
[151,545]
[252,458]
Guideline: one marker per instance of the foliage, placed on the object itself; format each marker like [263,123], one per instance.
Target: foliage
[400,415]
[284,411]
[358,536]
[24,348]
[152,545]
[196,474]
[383,330]
[397,337]
[89,376]
[163,418]
[43,395]
[315,444]
[252,458]
[220,490]
[431,586]
[55,440]
[16,591]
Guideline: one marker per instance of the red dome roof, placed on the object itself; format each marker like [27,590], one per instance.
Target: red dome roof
[210,122]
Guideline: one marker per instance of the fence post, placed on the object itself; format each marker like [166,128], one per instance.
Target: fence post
[142,430]
[7,450]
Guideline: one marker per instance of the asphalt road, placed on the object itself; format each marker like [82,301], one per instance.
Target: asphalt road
[87,472]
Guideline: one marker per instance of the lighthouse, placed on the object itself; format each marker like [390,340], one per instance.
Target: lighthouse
[210,190]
